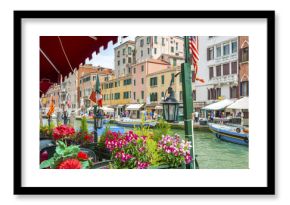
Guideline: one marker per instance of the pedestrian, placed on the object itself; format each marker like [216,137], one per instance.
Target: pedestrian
[211,116]
[64,117]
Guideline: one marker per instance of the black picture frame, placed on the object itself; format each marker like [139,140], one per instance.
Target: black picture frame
[268,190]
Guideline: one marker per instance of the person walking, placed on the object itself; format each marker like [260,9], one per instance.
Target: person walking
[196,116]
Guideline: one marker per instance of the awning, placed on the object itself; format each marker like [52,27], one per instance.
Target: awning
[60,55]
[107,109]
[44,85]
[219,105]
[158,107]
[241,104]
[134,107]
[120,106]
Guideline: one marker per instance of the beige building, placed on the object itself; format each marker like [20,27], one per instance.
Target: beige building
[124,57]
[152,47]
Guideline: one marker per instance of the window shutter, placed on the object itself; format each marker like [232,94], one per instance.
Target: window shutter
[208,55]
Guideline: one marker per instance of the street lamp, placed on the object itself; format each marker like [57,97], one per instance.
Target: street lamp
[170,107]
[99,119]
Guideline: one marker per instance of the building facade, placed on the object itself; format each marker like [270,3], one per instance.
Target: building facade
[152,47]
[218,66]
[124,57]
[244,65]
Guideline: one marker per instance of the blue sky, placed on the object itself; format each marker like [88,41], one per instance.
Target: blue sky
[106,57]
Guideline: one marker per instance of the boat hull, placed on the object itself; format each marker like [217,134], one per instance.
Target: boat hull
[230,136]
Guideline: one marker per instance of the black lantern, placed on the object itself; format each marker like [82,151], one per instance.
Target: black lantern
[170,107]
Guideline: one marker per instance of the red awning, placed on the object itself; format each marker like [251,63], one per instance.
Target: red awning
[60,55]
[44,86]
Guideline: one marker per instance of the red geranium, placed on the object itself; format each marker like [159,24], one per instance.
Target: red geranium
[63,131]
[70,164]
[83,156]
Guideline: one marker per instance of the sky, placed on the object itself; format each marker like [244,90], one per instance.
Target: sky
[105,58]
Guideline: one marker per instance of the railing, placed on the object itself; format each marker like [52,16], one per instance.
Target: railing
[224,79]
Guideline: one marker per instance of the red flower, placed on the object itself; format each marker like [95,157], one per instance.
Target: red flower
[63,131]
[70,164]
[83,156]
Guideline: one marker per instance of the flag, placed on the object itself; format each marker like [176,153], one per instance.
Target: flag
[193,48]
[99,97]
[51,108]
[93,97]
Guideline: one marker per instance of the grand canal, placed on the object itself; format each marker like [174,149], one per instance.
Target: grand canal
[212,153]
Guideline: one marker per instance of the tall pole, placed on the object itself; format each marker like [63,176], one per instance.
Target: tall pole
[187,99]
[96,110]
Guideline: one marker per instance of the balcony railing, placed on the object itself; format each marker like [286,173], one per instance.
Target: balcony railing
[232,78]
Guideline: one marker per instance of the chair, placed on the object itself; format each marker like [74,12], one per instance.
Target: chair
[102,164]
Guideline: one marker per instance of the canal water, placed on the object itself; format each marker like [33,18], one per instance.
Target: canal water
[212,153]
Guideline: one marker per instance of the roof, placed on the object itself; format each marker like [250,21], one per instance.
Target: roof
[220,105]
[158,61]
[127,42]
[241,104]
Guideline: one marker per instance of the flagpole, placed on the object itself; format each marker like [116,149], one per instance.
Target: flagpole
[187,99]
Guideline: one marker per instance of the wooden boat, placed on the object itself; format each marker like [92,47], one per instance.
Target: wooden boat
[230,133]
[127,122]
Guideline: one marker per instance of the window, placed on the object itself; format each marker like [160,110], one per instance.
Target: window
[141,53]
[174,62]
[234,67]
[218,51]
[155,39]
[226,49]
[234,92]
[129,70]
[176,46]
[162,79]
[80,81]
[126,95]
[244,88]
[226,69]
[116,84]
[127,81]
[210,54]
[141,43]
[194,95]
[172,77]
[80,93]
[134,82]
[134,70]
[218,70]
[172,49]
[162,94]
[245,54]
[117,96]
[142,68]
[234,46]
[163,42]
[153,81]
[210,72]
[154,97]
[124,60]
[142,94]
[118,54]
[134,95]
[118,62]
[155,50]
[219,92]
[148,50]
[129,50]
[148,39]
[142,81]
[129,60]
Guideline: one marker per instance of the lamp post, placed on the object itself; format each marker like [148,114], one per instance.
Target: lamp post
[63,95]
[170,107]
[98,121]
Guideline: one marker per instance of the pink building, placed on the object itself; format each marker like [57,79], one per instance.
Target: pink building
[139,73]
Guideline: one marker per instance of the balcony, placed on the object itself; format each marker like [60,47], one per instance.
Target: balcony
[225,79]
[222,59]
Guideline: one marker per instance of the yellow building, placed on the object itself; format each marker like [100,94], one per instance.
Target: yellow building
[117,92]
[158,83]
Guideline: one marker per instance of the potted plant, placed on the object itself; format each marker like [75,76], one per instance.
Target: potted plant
[67,157]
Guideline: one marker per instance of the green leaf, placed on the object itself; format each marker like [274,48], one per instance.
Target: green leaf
[46,163]
[85,164]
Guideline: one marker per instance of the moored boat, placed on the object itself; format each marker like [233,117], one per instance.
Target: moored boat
[230,133]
